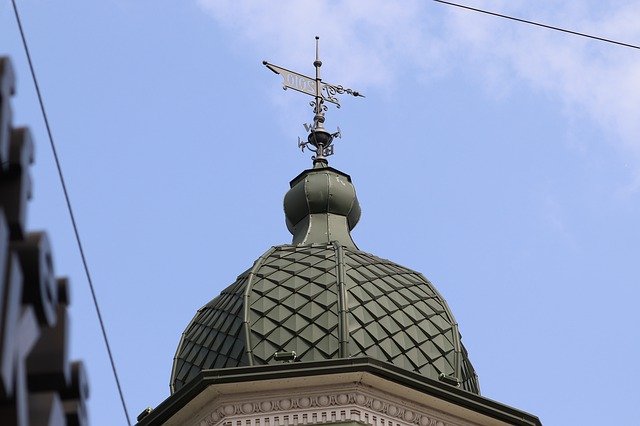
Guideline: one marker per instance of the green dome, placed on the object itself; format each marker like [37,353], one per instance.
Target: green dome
[323,298]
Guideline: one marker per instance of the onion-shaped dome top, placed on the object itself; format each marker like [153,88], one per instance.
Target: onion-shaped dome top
[323,298]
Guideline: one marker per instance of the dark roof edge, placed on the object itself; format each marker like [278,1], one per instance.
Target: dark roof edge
[302,174]
[385,370]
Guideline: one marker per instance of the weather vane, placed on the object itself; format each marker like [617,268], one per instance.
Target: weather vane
[318,137]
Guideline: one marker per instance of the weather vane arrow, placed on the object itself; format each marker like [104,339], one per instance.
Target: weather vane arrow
[322,92]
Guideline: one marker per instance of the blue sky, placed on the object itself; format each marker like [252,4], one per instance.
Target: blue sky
[501,160]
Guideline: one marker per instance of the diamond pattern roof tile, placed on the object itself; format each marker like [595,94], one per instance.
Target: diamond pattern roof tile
[293,294]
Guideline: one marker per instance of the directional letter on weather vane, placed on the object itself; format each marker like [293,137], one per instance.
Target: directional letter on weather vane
[321,91]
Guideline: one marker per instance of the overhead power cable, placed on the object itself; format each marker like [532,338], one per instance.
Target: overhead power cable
[70,209]
[551,27]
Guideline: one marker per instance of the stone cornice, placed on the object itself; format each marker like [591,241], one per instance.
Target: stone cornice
[185,405]
[332,405]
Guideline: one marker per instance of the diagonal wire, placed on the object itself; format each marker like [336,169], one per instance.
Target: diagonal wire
[538,24]
[71,215]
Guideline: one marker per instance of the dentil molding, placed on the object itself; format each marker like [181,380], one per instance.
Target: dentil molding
[308,407]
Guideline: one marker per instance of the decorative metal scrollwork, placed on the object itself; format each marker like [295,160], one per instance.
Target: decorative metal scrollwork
[323,107]
[330,91]
[322,92]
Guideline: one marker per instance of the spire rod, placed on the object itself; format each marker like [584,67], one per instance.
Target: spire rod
[322,92]
[318,119]
[318,107]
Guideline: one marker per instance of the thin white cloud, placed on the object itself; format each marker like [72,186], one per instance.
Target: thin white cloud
[587,76]
[369,39]
[376,41]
